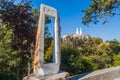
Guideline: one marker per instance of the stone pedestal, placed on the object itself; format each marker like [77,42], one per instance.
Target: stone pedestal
[58,76]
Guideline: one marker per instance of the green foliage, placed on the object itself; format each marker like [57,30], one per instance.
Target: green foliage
[21,19]
[48,41]
[35,15]
[116,60]
[115,45]
[75,63]
[81,55]
[101,10]
[8,58]
[48,53]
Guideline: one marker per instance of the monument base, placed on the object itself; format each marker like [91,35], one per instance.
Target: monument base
[58,76]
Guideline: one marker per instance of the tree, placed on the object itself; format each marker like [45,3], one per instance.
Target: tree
[115,46]
[48,53]
[101,10]
[116,60]
[88,54]
[8,59]
[75,63]
[19,17]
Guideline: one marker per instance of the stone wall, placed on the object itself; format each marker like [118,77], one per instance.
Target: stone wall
[104,74]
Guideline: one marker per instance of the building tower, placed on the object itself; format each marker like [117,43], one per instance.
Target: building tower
[80,31]
[77,32]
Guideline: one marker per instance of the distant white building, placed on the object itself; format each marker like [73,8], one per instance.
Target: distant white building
[78,34]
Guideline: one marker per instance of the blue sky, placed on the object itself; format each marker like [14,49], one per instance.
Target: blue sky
[71,17]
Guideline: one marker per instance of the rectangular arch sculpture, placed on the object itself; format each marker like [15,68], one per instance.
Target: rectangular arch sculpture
[50,68]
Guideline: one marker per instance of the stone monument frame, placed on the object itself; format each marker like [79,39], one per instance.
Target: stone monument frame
[48,68]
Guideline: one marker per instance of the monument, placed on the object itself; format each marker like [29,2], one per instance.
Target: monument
[39,66]
[48,71]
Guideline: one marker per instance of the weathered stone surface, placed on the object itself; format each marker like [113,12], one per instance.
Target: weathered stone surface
[104,74]
[50,68]
[58,76]
[48,71]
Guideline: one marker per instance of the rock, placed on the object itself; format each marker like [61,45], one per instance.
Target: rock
[58,76]
[103,74]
